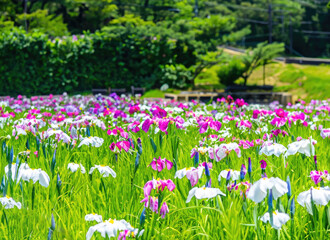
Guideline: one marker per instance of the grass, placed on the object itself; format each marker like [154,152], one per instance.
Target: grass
[156,93]
[302,81]
[119,198]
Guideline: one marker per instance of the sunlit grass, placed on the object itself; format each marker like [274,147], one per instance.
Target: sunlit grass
[218,218]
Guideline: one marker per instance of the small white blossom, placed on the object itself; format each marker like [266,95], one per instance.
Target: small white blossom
[74,167]
[93,217]
[279,219]
[203,192]
[109,228]
[320,195]
[258,190]
[7,202]
[304,146]
[93,141]
[234,175]
[105,171]
[270,148]
[26,174]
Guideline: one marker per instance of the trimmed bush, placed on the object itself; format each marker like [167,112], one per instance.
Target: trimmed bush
[230,72]
[34,64]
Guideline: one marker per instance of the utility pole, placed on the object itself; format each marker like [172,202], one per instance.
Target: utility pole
[196,8]
[25,10]
[290,36]
[270,23]
[282,18]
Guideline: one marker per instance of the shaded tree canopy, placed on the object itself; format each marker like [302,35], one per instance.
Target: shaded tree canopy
[303,26]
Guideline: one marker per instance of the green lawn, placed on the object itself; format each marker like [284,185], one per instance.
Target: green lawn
[302,81]
[154,93]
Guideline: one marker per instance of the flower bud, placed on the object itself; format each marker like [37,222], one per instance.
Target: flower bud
[250,166]
[196,159]
[289,186]
[243,172]
[292,208]
[143,217]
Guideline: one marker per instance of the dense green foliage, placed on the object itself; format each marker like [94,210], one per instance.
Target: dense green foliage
[230,72]
[34,64]
[127,52]
[244,65]
[304,23]
[143,43]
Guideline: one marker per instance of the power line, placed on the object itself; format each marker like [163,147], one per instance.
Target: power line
[259,9]
[252,20]
[322,37]
[243,7]
[256,36]
[313,32]
[270,23]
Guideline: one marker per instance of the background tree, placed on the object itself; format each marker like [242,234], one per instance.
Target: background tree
[260,56]
[301,25]
[231,70]
[269,52]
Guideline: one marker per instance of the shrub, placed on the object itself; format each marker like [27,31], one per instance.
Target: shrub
[231,71]
[176,76]
[34,64]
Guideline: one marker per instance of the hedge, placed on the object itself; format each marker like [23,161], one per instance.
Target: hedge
[34,64]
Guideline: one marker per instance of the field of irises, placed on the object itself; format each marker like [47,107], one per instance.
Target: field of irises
[85,167]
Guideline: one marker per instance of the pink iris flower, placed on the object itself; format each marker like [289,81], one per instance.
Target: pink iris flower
[159,164]
[164,210]
[215,125]
[158,112]
[160,185]
[163,124]
[146,125]
[263,164]
[244,123]
[120,145]
[123,235]
[134,109]
[193,174]
[281,113]
[134,127]
[317,176]
[193,177]
[116,131]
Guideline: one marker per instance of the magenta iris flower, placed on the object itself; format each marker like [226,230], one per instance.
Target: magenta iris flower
[117,147]
[152,202]
[317,176]
[193,177]
[263,164]
[164,210]
[116,131]
[215,125]
[146,125]
[158,164]
[158,185]
[163,124]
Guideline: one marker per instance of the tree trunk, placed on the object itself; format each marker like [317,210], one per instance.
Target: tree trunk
[264,74]
[193,84]
[245,80]
[144,10]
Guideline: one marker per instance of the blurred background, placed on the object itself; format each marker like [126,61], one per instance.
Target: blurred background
[164,46]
